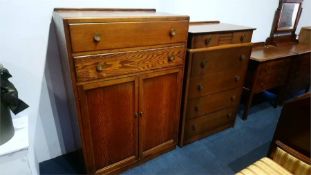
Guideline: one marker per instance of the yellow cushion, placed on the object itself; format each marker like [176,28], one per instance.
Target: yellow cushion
[291,163]
[264,166]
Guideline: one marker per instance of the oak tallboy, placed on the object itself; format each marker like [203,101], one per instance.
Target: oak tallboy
[217,60]
[123,70]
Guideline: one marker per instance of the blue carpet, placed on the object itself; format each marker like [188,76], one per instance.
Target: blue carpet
[223,153]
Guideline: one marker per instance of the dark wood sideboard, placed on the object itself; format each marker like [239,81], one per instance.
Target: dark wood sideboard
[285,67]
[123,70]
[217,59]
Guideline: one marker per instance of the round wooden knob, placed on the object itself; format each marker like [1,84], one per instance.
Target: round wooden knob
[97,38]
[207,41]
[196,109]
[173,32]
[229,115]
[200,87]
[243,57]
[203,64]
[237,78]
[171,58]
[193,127]
[242,38]
[99,68]
[233,98]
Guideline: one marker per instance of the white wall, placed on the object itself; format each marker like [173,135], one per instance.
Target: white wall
[28,50]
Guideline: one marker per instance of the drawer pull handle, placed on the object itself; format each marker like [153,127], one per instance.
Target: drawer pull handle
[203,64]
[233,98]
[207,41]
[200,87]
[97,38]
[171,58]
[242,38]
[229,115]
[99,68]
[173,32]
[237,78]
[243,57]
[193,127]
[196,109]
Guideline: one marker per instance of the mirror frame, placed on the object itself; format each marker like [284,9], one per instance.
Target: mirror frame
[284,35]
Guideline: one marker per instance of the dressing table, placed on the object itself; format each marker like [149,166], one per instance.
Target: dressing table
[281,63]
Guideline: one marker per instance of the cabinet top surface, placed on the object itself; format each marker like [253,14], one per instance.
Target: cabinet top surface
[102,15]
[261,53]
[206,27]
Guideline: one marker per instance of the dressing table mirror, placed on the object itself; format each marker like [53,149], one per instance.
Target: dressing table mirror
[282,63]
[285,22]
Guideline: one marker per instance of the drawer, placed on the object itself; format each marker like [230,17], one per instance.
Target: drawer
[269,81]
[210,103]
[217,39]
[210,123]
[273,67]
[113,64]
[201,86]
[242,37]
[101,36]
[220,60]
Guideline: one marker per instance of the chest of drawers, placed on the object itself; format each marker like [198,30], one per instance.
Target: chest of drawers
[217,60]
[123,71]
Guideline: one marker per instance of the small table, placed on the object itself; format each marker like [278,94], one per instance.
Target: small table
[286,67]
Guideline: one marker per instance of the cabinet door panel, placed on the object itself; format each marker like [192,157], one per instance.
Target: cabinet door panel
[160,102]
[110,109]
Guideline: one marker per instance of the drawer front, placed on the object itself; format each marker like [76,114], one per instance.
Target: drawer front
[201,86]
[220,60]
[274,66]
[210,103]
[210,123]
[120,63]
[101,36]
[272,75]
[242,37]
[209,40]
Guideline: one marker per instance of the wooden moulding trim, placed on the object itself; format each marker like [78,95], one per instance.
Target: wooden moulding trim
[85,83]
[203,22]
[127,50]
[219,47]
[118,165]
[104,9]
[293,152]
[107,83]
[161,147]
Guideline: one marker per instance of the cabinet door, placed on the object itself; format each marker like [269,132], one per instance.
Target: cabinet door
[159,103]
[110,126]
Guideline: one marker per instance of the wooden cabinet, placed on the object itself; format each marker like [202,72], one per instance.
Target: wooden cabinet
[216,65]
[123,71]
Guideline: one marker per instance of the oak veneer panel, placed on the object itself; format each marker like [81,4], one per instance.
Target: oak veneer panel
[159,104]
[113,124]
[126,34]
[120,63]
